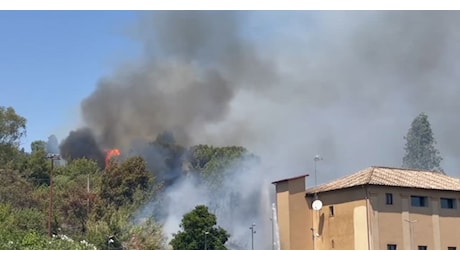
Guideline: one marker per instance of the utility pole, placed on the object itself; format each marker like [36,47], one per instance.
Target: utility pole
[52,157]
[252,235]
[87,193]
[273,234]
[317,158]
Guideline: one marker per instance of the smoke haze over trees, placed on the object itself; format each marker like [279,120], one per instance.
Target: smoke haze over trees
[210,78]
[285,86]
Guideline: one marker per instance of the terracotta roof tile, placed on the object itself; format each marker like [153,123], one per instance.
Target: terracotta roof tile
[388,176]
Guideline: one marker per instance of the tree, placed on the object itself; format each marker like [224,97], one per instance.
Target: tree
[199,231]
[213,164]
[420,146]
[16,190]
[145,236]
[12,129]
[75,193]
[124,182]
[38,165]
[12,126]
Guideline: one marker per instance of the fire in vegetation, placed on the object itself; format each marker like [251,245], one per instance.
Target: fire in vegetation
[109,154]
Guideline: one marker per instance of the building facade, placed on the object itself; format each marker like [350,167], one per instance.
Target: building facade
[378,208]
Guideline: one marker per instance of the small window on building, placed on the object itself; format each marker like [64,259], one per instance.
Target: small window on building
[391,246]
[389,198]
[419,201]
[451,248]
[332,244]
[422,247]
[331,211]
[447,203]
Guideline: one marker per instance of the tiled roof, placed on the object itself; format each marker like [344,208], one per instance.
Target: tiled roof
[387,176]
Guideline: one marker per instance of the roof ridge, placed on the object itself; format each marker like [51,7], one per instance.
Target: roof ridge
[371,174]
[392,176]
[405,169]
[338,179]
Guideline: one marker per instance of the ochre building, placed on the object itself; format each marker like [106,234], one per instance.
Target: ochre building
[378,208]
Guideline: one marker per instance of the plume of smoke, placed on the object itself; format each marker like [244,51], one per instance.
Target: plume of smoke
[351,84]
[237,202]
[163,156]
[342,84]
[82,144]
[167,97]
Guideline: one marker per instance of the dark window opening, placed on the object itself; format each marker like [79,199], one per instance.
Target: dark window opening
[447,203]
[389,199]
[422,247]
[451,248]
[391,247]
[331,211]
[332,243]
[419,201]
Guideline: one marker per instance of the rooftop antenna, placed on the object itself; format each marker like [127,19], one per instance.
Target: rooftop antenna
[252,234]
[317,204]
[316,159]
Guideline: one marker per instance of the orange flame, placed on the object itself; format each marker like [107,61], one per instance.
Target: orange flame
[109,154]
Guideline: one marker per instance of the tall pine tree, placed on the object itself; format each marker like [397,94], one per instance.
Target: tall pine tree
[420,146]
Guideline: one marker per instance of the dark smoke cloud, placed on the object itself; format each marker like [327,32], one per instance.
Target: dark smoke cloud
[82,144]
[196,63]
[164,157]
[167,97]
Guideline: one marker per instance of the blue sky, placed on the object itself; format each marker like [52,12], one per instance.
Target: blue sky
[51,60]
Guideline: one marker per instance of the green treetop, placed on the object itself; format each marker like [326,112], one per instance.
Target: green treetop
[420,146]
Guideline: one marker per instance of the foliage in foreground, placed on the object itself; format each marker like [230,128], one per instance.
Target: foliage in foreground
[199,232]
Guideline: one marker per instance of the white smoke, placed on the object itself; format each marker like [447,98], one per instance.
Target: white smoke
[275,226]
